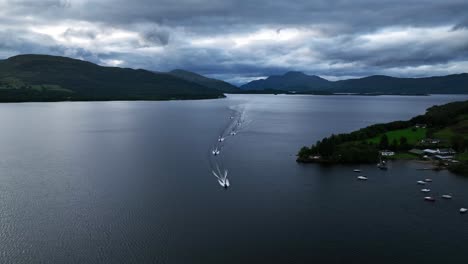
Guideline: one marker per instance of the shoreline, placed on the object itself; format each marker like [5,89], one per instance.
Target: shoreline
[113,100]
[432,164]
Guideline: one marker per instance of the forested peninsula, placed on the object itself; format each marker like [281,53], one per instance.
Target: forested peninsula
[440,135]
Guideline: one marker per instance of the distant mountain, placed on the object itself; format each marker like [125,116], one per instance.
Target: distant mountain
[290,81]
[205,81]
[450,84]
[52,78]
[377,84]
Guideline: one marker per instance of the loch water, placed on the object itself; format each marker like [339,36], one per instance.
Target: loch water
[131,182]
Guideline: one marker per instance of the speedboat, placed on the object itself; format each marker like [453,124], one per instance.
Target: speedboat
[356,170]
[362,178]
[215,151]
[463,210]
[222,179]
[421,182]
[447,196]
[220,139]
[223,183]
[425,190]
[429,199]
[428,180]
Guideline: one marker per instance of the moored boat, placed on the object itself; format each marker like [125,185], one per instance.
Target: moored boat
[429,199]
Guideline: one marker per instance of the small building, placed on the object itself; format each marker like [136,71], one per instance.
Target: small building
[440,154]
[416,152]
[387,153]
[431,151]
[430,141]
[447,152]
[443,157]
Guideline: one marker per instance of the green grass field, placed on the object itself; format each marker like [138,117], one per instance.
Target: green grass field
[413,135]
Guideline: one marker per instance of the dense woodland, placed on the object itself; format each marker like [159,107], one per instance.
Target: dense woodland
[53,78]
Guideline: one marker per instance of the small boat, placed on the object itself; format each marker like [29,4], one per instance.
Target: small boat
[447,196]
[215,151]
[429,199]
[233,133]
[356,170]
[222,179]
[362,178]
[421,182]
[428,180]
[221,139]
[463,210]
[382,165]
[425,190]
[223,183]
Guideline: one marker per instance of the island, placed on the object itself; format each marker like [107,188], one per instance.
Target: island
[440,137]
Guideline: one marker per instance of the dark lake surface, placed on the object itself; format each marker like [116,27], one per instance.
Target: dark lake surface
[131,182]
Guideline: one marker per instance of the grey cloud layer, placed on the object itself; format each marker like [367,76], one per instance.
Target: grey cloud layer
[238,40]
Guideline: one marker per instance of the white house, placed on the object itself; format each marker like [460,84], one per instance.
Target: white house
[387,153]
[431,151]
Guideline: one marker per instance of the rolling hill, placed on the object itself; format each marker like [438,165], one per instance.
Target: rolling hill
[290,81]
[450,84]
[377,84]
[53,78]
[205,81]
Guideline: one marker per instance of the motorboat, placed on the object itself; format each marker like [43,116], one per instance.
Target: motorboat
[425,190]
[223,183]
[233,133]
[356,170]
[447,196]
[215,151]
[428,180]
[421,182]
[429,199]
[463,210]
[220,139]
[222,179]
[362,178]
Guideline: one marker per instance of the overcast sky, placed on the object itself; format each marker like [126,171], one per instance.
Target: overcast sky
[238,40]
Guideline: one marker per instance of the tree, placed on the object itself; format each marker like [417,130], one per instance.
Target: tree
[383,142]
[404,143]
[458,143]
[394,145]
[304,152]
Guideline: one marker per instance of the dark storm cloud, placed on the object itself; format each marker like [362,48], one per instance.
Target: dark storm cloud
[240,40]
[156,36]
